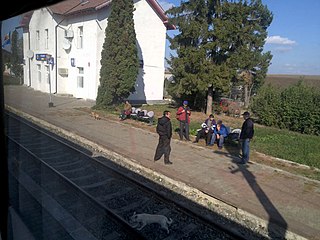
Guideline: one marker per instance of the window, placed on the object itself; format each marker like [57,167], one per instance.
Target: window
[80,37]
[37,40]
[46,34]
[81,70]
[80,78]
[39,72]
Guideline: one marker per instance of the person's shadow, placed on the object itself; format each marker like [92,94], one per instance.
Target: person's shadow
[277,225]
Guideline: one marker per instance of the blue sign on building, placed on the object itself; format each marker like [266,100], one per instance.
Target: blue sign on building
[50,60]
[41,57]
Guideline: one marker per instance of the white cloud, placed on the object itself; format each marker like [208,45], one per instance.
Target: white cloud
[283,49]
[279,40]
[165,5]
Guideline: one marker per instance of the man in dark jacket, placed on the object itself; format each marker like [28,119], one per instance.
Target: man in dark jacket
[164,129]
[247,132]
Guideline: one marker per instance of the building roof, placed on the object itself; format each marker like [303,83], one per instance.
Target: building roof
[74,6]
[25,19]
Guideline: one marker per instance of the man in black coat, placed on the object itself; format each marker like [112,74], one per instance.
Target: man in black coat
[247,132]
[164,129]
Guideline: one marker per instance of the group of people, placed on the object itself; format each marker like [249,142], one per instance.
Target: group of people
[210,131]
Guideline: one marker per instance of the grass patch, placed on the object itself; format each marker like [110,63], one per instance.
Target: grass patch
[296,147]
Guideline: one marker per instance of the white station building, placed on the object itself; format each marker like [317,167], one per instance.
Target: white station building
[63,43]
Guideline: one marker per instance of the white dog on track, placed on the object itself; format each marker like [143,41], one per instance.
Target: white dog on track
[144,219]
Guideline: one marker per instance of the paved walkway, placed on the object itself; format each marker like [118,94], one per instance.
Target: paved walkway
[277,197]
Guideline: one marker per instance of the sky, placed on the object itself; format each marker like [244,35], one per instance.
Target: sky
[9,25]
[293,36]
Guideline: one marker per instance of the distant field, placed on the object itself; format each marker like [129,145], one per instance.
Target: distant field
[285,81]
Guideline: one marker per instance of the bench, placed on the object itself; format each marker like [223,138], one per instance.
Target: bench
[234,134]
[233,137]
[142,115]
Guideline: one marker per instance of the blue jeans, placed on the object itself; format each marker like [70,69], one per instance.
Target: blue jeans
[220,142]
[245,150]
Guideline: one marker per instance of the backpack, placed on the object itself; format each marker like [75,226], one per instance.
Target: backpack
[140,114]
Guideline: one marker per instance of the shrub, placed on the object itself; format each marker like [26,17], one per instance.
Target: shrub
[295,108]
[266,105]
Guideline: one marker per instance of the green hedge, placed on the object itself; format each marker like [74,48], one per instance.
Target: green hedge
[295,108]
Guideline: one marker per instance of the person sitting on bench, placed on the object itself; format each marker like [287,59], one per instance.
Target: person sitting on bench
[219,134]
[206,130]
[126,110]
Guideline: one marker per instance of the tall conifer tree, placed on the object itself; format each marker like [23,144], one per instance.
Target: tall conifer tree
[194,71]
[219,41]
[242,29]
[119,56]
[16,56]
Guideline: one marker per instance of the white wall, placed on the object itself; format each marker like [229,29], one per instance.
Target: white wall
[151,37]
[26,66]
[40,21]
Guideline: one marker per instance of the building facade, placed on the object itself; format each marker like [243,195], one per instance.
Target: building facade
[63,44]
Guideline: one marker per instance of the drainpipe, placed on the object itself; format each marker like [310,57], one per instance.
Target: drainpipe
[56,58]
[29,60]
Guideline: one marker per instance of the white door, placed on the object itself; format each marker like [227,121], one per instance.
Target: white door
[80,83]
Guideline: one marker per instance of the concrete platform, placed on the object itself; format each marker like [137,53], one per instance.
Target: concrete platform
[276,197]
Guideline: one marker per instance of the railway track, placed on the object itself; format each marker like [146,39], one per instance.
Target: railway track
[61,192]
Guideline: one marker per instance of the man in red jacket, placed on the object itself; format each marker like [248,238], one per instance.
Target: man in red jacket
[183,115]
